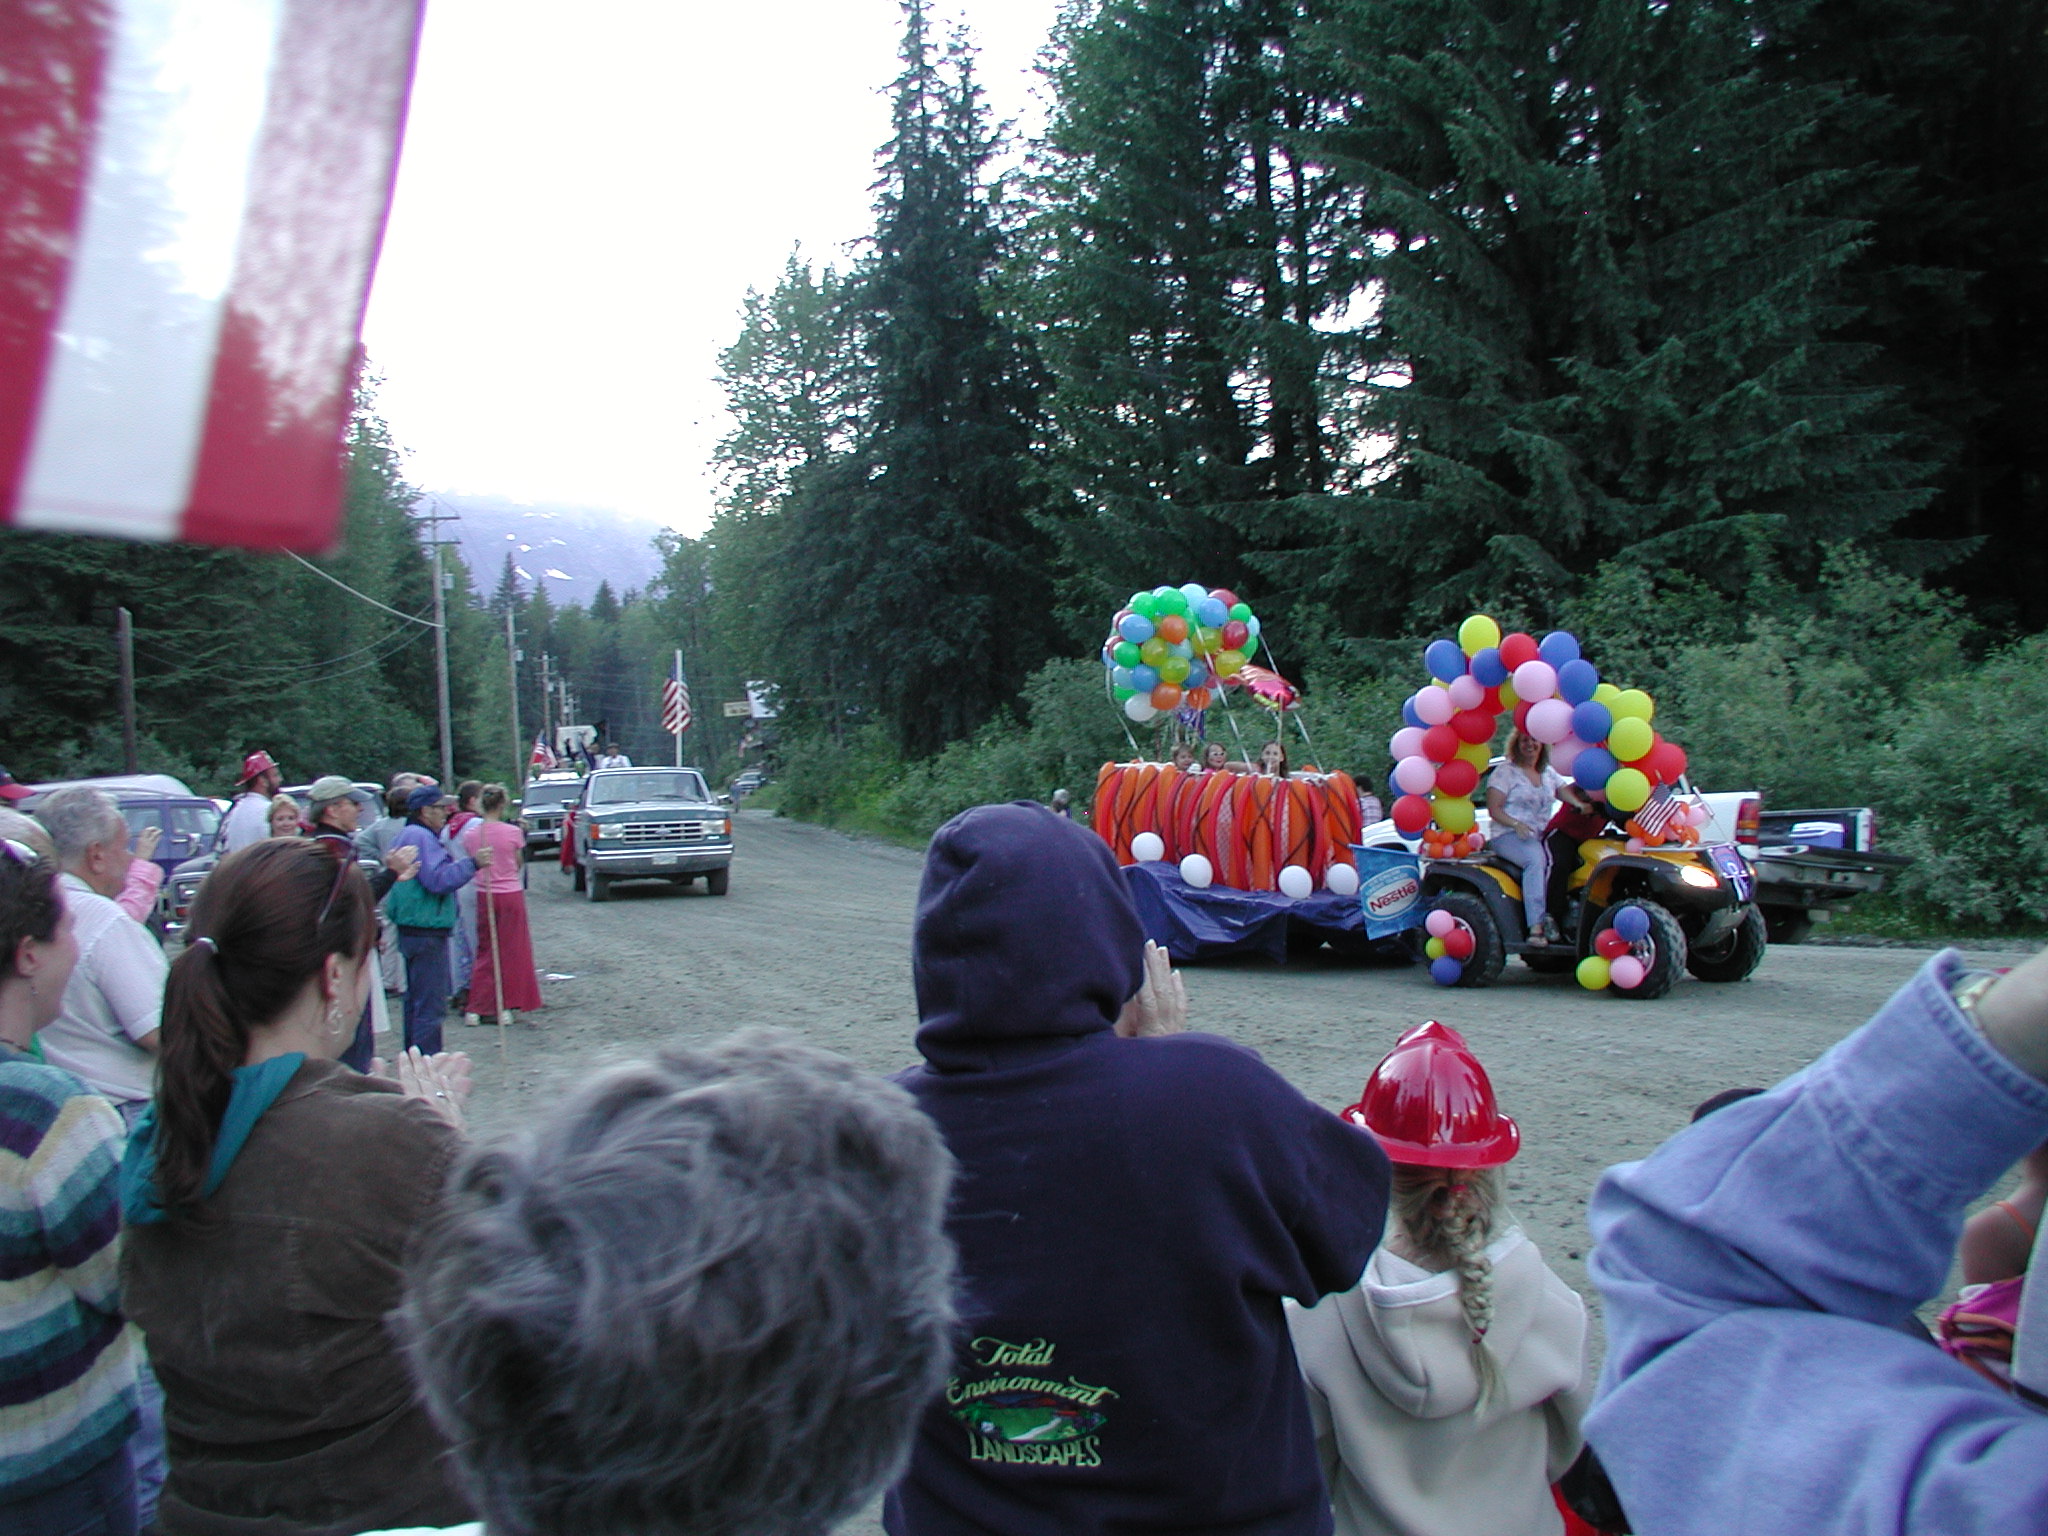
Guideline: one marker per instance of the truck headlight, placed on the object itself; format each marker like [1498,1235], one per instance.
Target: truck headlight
[1705,879]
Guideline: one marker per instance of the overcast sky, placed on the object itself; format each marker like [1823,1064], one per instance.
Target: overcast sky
[586,194]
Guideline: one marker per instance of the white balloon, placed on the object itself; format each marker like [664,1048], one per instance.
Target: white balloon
[1297,883]
[1341,880]
[1550,720]
[1148,848]
[1196,871]
[1139,708]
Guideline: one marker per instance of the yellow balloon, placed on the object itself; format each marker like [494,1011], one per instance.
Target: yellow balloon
[1454,813]
[1628,739]
[1593,973]
[1229,663]
[1477,633]
[1434,949]
[1477,753]
[1508,697]
[1627,789]
[1607,693]
[1632,704]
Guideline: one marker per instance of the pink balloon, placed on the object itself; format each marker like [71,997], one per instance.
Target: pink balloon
[1466,691]
[1434,707]
[1407,742]
[1698,815]
[1627,972]
[1550,721]
[1564,753]
[1415,775]
[1535,680]
[1634,845]
[1439,923]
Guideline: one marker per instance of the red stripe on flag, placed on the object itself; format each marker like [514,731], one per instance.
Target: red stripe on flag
[270,472]
[55,58]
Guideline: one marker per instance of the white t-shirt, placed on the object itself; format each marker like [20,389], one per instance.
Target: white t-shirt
[616,760]
[247,821]
[114,998]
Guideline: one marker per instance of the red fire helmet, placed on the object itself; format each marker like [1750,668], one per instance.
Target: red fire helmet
[255,763]
[1430,1104]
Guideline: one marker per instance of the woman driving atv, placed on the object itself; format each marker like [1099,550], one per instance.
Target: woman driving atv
[1519,796]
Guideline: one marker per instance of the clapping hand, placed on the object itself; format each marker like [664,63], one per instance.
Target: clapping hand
[441,1081]
[1160,1005]
[146,841]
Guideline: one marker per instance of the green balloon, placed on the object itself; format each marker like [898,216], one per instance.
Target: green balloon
[1250,646]
[1127,654]
[1146,605]
[1123,693]
[1174,670]
[1240,611]
[1171,602]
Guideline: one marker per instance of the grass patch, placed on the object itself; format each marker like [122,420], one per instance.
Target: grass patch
[1887,916]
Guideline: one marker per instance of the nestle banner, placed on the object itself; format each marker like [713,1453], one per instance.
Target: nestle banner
[1389,890]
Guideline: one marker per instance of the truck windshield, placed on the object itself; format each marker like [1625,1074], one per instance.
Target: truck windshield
[672,784]
[550,794]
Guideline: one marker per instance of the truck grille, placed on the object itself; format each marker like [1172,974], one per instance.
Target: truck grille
[662,831]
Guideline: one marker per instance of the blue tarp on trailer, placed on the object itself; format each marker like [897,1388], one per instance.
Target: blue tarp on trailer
[1208,923]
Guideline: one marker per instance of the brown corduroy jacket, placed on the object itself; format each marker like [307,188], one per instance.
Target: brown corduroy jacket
[288,1408]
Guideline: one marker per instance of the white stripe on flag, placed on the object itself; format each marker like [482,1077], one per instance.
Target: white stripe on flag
[125,392]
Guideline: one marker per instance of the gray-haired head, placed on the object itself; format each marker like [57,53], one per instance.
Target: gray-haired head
[78,818]
[711,1292]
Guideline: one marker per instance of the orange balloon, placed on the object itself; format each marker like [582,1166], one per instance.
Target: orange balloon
[1166,696]
[1173,628]
[1196,698]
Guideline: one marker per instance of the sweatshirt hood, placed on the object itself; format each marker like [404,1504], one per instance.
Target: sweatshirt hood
[1025,933]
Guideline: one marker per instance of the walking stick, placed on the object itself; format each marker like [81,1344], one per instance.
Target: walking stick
[490,899]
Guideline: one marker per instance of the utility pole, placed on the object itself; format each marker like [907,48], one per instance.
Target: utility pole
[124,642]
[512,666]
[433,521]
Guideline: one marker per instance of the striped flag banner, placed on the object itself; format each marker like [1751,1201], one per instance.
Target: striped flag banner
[192,193]
[1658,812]
[675,706]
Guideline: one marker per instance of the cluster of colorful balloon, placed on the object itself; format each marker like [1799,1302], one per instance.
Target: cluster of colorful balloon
[1448,947]
[1171,647]
[1599,734]
[1622,953]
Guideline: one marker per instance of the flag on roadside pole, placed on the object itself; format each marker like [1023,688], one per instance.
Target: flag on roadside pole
[191,199]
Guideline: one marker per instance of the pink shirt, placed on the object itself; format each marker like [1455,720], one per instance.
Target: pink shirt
[508,853]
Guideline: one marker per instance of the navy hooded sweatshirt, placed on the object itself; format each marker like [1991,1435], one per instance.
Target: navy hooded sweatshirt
[1129,1214]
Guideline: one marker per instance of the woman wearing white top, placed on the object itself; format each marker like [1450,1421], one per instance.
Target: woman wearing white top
[1519,799]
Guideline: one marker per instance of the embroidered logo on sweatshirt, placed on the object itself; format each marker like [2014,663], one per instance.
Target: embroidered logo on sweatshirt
[1016,1416]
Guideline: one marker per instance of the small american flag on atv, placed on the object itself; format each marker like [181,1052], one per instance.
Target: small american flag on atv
[1658,812]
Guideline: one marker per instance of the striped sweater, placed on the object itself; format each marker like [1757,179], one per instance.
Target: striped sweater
[67,1364]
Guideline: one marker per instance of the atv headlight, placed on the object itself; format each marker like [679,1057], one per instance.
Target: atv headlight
[1694,874]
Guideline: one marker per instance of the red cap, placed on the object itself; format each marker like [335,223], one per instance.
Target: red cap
[1430,1104]
[255,763]
[9,790]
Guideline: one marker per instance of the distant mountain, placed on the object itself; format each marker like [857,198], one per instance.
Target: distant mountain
[571,549]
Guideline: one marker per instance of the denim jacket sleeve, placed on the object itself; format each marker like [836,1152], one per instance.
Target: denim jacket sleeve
[1760,1272]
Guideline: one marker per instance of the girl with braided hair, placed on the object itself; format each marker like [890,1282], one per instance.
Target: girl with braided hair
[1446,1387]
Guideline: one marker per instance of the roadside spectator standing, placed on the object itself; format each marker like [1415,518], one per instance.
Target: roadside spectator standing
[1129,1215]
[424,910]
[248,819]
[375,841]
[723,1271]
[332,814]
[1447,1387]
[68,1397]
[107,1031]
[504,980]
[612,757]
[1765,1372]
[462,955]
[285,820]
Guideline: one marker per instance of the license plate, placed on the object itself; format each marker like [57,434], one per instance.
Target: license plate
[664,858]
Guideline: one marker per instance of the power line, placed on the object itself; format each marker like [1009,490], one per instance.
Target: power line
[411,618]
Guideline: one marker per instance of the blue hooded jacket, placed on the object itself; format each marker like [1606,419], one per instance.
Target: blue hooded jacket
[1129,1215]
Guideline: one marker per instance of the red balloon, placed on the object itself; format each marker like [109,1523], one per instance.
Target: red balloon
[1490,702]
[1235,633]
[1518,648]
[1411,814]
[1172,628]
[1522,715]
[1458,943]
[1675,755]
[1610,945]
[1473,725]
[1440,743]
[1224,596]
[1457,777]
[1665,762]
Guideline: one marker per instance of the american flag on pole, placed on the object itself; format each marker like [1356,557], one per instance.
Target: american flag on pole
[1658,812]
[675,706]
[543,757]
[192,194]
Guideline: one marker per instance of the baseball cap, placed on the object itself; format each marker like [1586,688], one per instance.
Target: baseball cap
[9,790]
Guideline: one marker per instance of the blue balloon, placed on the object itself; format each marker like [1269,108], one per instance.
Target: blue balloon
[1445,661]
[1594,767]
[1489,668]
[1145,679]
[1212,613]
[1445,971]
[1198,677]
[1123,677]
[1184,649]
[1196,594]
[1576,681]
[1591,721]
[1408,715]
[1135,628]
[1558,647]
[1252,624]
[1633,924]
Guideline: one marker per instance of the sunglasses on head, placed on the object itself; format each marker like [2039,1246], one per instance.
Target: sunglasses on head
[344,861]
[21,853]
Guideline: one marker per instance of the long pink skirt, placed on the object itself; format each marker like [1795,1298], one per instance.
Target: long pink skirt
[501,926]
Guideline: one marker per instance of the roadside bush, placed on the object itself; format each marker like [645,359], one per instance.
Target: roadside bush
[1974,814]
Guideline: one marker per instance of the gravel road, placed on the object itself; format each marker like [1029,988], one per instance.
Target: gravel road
[815,936]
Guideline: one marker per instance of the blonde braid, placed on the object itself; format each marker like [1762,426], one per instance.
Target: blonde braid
[1447,1217]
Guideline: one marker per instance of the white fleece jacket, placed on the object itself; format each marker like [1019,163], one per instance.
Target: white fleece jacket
[1406,1448]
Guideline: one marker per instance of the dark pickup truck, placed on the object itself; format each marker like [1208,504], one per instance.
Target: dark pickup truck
[1810,862]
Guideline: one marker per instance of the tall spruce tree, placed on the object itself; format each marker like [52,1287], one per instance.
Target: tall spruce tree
[1609,280]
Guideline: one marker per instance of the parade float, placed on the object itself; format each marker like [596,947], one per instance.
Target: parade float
[1647,900]
[1221,860]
